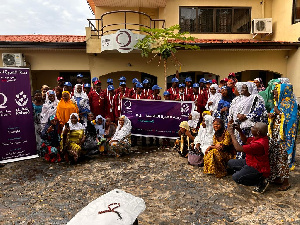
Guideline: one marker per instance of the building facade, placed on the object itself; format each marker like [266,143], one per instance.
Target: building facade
[233,36]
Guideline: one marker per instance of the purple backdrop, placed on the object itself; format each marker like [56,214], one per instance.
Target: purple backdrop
[156,118]
[17,139]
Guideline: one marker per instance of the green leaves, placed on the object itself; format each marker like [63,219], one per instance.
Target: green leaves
[164,41]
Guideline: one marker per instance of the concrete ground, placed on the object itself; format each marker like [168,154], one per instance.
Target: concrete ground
[37,192]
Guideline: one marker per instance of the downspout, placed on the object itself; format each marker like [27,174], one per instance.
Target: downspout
[262,3]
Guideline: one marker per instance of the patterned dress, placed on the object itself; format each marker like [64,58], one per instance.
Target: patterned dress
[215,161]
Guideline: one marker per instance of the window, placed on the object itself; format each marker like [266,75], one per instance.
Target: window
[215,20]
[296,11]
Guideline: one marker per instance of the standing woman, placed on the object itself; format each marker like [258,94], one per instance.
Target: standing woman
[282,131]
[82,102]
[120,143]
[213,100]
[44,90]
[220,152]
[65,108]
[224,104]
[72,138]
[37,105]
[49,107]
[267,94]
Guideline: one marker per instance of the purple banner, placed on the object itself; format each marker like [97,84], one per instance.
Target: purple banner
[17,139]
[156,118]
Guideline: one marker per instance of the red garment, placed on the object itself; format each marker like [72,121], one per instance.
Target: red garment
[188,91]
[132,91]
[154,97]
[97,103]
[147,92]
[182,97]
[257,154]
[109,106]
[173,91]
[118,103]
[118,90]
[194,97]
[201,102]
[138,96]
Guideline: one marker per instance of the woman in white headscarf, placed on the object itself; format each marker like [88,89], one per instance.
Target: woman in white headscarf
[235,102]
[82,102]
[249,110]
[72,138]
[213,100]
[202,141]
[194,119]
[49,107]
[120,143]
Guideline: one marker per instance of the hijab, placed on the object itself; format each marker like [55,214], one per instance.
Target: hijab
[49,108]
[195,119]
[82,94]
[213,98]
[125,130]
[289,118]
[267,94]
[76,126]
[100,128]
[205,135]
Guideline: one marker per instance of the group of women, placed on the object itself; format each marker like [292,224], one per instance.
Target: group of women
[66,132]
[243,106]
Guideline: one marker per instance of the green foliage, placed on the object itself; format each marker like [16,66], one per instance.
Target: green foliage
[164,42]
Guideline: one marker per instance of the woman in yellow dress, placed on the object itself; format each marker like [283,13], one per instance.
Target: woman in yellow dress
[218,154]
[72,138]
[65,108]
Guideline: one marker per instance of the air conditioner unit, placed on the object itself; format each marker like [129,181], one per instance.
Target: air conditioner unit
[13,59]
[262,26]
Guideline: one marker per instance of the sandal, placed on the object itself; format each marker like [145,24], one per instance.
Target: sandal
[284,188]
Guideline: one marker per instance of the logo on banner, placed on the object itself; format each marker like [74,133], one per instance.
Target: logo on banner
[3,104]
[123,41]
[21,99]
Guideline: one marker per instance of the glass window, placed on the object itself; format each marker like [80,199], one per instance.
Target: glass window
[215,20]
[296,11]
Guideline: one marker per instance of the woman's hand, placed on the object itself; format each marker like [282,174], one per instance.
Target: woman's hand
[271,115]
[208,149]
[210,103]
[50,129]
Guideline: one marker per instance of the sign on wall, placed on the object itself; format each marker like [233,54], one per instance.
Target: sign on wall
[17,139]
[156,118]
[123,41]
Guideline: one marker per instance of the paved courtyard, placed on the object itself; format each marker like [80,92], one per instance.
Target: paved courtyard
[37,192]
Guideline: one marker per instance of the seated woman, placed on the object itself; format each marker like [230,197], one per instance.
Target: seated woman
[120,143]
[217,155]
[90,136]
[100,129]
[203,140]
[193,121]
[183,145]
[72,138]
[50,140]
[110,129]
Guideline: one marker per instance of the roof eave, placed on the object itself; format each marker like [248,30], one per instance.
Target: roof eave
[51,45]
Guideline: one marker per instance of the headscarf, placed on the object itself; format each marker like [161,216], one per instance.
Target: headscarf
[49,108]
[195,119]
[267,94]
[261,85]
[81,94]
[76,126]
[100,128]
[214,99]
[125,130]
[288,108]
[284,80]
[185,125]
[230,94]
[65,109]
[205,135]
[238,86]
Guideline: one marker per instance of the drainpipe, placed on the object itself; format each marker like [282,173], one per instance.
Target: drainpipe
[262,3]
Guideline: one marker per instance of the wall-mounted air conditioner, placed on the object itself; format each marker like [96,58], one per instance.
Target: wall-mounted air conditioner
[13,59]
[262,26]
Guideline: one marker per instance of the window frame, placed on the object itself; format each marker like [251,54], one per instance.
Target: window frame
[294,13]
[215,19]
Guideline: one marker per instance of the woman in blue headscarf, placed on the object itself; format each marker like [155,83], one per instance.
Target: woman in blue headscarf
[282,130]
[224,104]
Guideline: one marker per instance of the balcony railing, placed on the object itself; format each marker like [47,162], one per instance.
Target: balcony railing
[99,29]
